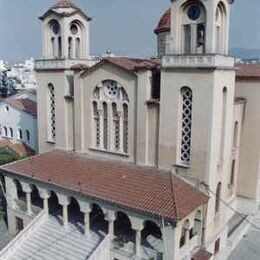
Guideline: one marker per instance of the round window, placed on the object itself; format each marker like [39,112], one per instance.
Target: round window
[74,29]
[194,12]
[55,27]
[111,89]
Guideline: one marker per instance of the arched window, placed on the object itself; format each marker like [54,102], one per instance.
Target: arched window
[218,198]
[186,126]
[220,28]
[194,28]
[116,127]
[51,113]
[125,130]
[77,46]
[223,123]
[235,137]
[59,47]
[232,176]
[20,134]
[70,50]
[55,39]
[11,132]
[5,131]
[185,229]
[97,123]
[105,125]
[27,133]
[114,103]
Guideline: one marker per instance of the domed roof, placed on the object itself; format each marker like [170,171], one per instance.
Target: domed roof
[64,4]
[164,24]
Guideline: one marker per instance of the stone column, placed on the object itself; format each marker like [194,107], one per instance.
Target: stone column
[64,201]
[28,203]
[110,218]
[28,190]
[11,192]
[101,127]
[45,195]
[85,209]
[65,214]
[137,225]
[138,244]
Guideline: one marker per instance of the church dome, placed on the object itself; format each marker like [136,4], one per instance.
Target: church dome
[164,24]
[64,4]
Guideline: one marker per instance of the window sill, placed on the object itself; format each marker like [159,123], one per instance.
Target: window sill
[109,152]
[182,165]
[50,142]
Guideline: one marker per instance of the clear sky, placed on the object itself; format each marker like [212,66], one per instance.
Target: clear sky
[126,27]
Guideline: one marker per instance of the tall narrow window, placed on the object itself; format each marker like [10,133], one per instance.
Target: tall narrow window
[53,47]
[235,138]
[186,125]
[113,101]
[51,113]
[218,198]
[11,132]
[20,134]
[5,131]
[125,131]
[232,176]
[116,127]
[27,135]
[223,124]
[70,48]
[97,124]
[77,51]
[59,47]
[105,132]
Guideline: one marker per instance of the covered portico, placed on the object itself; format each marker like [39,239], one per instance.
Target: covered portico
[140,218]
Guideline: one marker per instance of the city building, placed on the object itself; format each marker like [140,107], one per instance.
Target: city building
[139,159]
[18,123]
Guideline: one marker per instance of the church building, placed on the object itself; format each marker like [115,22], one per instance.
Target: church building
[138,158]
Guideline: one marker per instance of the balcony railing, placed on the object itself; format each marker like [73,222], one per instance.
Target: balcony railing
[198,61]
[60,64]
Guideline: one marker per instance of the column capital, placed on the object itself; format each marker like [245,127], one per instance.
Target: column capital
[64,200]
[26,187]
[110,215]
[85,206]
[44,193]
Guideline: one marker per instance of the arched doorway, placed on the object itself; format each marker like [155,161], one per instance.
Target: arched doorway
[97,220]
[75,215]
[35,197]
[123,228]
[54,207]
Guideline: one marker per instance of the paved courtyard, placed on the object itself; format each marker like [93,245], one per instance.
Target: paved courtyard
[249,247]
[4,235]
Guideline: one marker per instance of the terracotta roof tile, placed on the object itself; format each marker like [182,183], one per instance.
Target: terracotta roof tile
[164,24]
[202,254]
[21,149]
[4,142]
[26,105]
[142,189]
[248,71]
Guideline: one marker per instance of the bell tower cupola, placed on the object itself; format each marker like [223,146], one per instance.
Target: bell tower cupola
[199,26]
[65,32]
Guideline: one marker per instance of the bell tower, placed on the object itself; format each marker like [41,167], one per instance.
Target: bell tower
[65,47]
[197,102]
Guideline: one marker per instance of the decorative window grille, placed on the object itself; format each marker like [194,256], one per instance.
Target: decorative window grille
[105,133]
[116,127]
[52,116]
[125,114]
[114,103]
[186,125]
[97,123]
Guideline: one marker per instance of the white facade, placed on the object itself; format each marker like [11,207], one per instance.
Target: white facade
[16,124]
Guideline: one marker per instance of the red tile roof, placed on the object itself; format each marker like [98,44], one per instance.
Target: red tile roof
[248,71]
[21,149]
[64,4]
[202,254]
[164,24]
[26,105]
[142,189]
[128,64]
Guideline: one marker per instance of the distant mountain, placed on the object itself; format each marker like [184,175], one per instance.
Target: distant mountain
[245,53]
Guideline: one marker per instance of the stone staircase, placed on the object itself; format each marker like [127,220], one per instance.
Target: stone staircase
[51,241]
